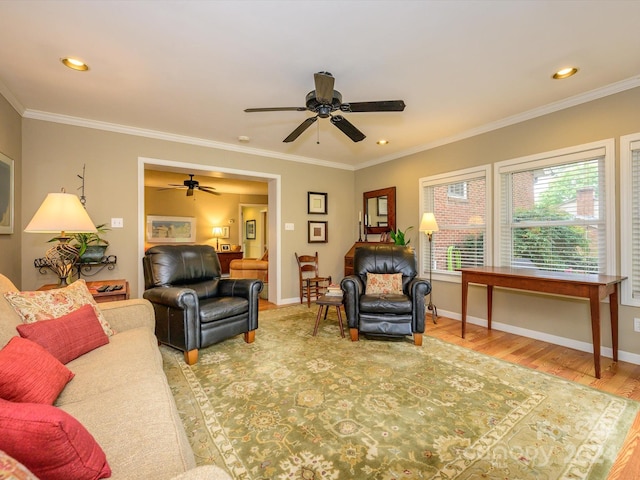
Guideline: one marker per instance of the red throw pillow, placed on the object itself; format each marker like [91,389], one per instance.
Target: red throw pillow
[50,442]
[28,373]
[69,336]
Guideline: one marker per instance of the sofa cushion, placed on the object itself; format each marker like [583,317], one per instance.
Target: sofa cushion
[69,336]
[50,443]
[50,304]
[28,373]
[11,469]
[383,283]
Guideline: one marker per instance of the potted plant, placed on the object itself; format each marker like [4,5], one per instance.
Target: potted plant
[399,237]
[91,246]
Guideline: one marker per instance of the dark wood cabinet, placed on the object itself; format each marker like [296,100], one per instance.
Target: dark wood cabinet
[225,259]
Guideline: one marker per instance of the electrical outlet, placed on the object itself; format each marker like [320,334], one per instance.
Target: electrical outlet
[117,223]
[636,324]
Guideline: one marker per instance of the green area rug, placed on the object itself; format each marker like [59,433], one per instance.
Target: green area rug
[292,405]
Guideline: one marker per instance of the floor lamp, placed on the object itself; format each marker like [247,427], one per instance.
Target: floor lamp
[429,225]
[61,213]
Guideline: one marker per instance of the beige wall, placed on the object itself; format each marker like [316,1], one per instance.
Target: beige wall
[53,154]
[11,146]
[208,210]
[608,117]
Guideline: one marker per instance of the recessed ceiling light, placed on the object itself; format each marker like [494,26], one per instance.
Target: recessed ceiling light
[74,64]
[382,142]
[565,73]
[243,138]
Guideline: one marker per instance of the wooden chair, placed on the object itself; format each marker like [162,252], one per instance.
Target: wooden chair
[312,285]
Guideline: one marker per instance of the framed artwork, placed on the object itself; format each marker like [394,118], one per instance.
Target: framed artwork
[382,207]
[317,232]
[317,203]
[225,247]
[250,229]
[171,229]
[225,232]
[6,194]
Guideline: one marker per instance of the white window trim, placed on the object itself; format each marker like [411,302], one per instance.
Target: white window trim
[456,176]
[603,147]
[626,218]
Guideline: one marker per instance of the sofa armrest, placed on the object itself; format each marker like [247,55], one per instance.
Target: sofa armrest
[127,314]
[204,472]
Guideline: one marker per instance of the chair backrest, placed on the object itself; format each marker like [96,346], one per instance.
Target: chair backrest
[307,266]
[180,265]
[385,258]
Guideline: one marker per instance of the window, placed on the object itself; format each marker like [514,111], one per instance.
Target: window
[457,190]
[555,210]
[463,226]
[630,218]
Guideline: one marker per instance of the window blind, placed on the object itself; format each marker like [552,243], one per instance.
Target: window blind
[635,218]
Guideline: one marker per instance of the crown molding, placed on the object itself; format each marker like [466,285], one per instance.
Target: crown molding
[171,137]
[596,94]
[13,101]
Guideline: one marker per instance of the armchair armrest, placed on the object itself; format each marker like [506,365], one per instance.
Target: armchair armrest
[352,287]
[240,287]
[175,297]
[417,289]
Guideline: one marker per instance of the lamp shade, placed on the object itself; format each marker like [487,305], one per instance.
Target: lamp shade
[428,223]
[217,232]
[61,212]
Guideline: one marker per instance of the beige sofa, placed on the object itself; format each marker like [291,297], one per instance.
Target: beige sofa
[121,396]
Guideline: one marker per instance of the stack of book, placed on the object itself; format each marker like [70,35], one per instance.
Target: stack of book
[334,290]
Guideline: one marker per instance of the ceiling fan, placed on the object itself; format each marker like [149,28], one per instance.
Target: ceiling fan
[192,185]
[324,100]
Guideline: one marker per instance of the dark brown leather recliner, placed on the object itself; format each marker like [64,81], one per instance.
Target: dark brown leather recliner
[194,306]
[386,315]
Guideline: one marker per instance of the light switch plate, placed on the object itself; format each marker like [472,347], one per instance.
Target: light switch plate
[117,223]
[289,226]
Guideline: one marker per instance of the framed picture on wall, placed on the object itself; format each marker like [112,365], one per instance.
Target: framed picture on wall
[6,194]
[250,228]
[317,232]
[317,203]
[171,229]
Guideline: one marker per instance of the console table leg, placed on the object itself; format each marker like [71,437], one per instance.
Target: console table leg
[594,304]
[613,310]
[465,291]
[489,305]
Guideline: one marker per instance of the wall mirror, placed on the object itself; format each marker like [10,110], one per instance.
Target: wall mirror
[380,210]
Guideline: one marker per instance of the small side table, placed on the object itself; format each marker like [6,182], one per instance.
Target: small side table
[325,302]
[101,297]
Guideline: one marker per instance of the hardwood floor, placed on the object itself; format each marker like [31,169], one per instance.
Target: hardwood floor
[619,378]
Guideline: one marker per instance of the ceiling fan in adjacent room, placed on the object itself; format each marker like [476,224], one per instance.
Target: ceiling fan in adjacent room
[324,100]
[192,185]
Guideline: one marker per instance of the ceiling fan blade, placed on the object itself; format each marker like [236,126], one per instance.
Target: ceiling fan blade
[276,109]
[382,106]
[324,87]
[210,190]
[301,128]
[347,128]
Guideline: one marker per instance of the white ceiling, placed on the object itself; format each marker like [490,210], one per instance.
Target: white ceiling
[188,69]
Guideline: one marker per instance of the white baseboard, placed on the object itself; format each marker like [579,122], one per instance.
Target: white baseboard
[545,337]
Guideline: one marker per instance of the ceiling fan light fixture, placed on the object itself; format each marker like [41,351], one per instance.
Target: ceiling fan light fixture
[74,64]
[565,73]
[382,142]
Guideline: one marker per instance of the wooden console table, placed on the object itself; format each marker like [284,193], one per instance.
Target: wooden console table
[592,287]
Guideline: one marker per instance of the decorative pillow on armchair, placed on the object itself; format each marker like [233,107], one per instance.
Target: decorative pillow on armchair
[384,283]
[51,304]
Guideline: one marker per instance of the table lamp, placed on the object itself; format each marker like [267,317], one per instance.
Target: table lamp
[217,234]
[61,213]
[429,225]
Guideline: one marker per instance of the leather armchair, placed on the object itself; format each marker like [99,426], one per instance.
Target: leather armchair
[195,307]
[386,314]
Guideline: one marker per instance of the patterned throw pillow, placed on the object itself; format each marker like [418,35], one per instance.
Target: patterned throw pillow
[11,469]
[50,442]
[30,374]
[384,283]
[69,336]
[50,304]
